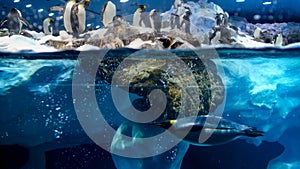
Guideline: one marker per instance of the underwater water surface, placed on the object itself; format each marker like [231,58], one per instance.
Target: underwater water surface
[39,125]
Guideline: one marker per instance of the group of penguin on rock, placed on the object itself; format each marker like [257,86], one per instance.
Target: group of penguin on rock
[74,21]
[74,18]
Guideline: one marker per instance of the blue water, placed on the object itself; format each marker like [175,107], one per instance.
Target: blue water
[37,112]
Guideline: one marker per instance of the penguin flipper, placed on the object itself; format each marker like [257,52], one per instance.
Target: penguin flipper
[57,8]
[253,132]
[2,22]
[25,22]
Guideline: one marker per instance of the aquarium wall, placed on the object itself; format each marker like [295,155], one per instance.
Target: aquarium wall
[147,84]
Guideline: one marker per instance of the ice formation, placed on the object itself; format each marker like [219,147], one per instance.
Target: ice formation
[262,92]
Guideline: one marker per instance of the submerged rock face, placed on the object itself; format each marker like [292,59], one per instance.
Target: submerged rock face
[198,91]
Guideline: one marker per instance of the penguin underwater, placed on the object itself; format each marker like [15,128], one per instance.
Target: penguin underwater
[221,130]
[74,16]
[14,21]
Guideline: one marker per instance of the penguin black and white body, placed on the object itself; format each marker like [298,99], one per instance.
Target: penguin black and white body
[278,40]
[175,16]
[14,21]
[216,129]
[155,21]
[219,19]
[185,24]
[256,33]
[109,11]
[144,17]
[215,36]
[74,16]
[225,19]
[48,26]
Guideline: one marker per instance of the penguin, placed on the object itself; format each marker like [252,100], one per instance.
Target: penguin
[170,43]
[48,26]
[155,21]
[215,36]
[74,16]
[256,33]
[219,19]
[14,22]
[109,11]
[137,17]
[278,40]
[144,17]
[78,18]
[118,20]
[225,19]
[219,130]
[175,16]
[67,15]
[185,24]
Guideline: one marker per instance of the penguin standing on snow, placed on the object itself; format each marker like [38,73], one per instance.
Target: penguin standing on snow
[78,17]
[215,36]
[48,26]
[256,33]
[74,16]
[175,16]
[109,11]
[219,19]
[155,21]
[278,40]
[215,130]
[185,24]
[14,21]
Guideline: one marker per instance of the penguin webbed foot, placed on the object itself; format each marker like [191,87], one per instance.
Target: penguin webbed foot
[253,132]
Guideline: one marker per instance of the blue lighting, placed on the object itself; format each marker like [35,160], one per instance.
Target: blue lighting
[267,3]
[239,0]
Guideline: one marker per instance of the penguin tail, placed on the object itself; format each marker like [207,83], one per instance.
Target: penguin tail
[253,132]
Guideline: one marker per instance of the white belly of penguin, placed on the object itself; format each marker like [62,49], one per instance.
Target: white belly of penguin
[109,13]
[136,18]
[81,19]
[67,17]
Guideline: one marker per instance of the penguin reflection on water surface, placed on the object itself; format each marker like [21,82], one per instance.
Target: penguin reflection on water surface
[14,21]
[221,130]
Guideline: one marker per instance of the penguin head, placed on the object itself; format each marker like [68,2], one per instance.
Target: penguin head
[142,8]
[86,3]
[153,12]
[14,12]
[50,20]
[165,124]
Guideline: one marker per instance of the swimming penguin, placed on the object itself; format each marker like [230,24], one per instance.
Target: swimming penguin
[185,24]
[48,26]
[219,130]
[256,33]
[109,11]
[215,36]
[278,40]
[155,21]
[14,21]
